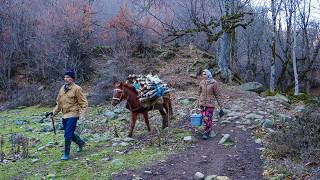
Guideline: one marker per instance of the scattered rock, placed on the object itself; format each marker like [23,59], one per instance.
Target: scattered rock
[267,123]
[252,86]
[300,108]
[167,55]
[222,178]
[41,148]
[35,160]
[253,116]
[211,177]
[225,122]
[46,128]
[21,122]
[116,162]
[110,115]
[212,134]
[124,144]
[224,139]
[284,118]
[199,175]
[127,139]
[106,159]
[118,110]
[29,129]
[51,176]
[187,138]
[258,141]
[148,172]
[193,75]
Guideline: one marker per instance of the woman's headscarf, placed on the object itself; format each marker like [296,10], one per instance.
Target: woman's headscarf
[208,73]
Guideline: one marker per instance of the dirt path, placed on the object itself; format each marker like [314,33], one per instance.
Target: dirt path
[239,161]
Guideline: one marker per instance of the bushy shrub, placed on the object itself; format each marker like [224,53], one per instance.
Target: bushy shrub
[300,138]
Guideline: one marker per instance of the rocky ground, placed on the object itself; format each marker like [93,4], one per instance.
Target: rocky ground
[233,152]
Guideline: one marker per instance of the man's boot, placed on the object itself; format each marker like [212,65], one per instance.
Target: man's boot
[79,142]
[67,144]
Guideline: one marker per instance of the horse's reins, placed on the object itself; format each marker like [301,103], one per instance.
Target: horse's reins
[119,99]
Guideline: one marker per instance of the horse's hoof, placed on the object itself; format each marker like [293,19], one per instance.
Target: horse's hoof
[130,135]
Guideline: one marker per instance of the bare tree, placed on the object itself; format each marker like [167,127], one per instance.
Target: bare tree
[294,61]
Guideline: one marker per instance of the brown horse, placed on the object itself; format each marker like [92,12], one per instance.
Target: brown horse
[127,92]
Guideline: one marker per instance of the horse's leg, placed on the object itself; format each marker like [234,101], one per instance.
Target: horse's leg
[133,122]
[146,120]
[164,118]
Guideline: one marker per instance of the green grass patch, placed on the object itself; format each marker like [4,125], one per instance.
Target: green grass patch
[91,163]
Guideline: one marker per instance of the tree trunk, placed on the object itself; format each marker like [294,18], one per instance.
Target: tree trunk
[294,61]
[224,54]
[273,47]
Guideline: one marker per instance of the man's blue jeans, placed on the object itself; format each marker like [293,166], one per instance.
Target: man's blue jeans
[69,125]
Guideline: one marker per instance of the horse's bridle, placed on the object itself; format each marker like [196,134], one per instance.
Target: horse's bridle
[122,94]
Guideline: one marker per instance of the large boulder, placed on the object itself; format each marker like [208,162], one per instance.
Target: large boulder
[252,86]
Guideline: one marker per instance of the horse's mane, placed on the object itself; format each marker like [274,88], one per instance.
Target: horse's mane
[130,87]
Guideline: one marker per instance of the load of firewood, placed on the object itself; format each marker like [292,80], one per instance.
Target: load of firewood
[150,87]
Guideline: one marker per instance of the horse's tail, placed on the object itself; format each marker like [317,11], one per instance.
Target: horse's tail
[168,105]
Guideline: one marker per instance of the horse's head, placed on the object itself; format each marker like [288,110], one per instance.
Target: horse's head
[118,94]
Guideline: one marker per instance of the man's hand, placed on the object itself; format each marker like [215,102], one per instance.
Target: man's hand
[49,114]
[221,113]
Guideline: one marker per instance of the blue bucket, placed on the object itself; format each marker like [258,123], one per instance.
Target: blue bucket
[195,118]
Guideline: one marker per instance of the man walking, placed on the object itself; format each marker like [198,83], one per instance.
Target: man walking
[73,104]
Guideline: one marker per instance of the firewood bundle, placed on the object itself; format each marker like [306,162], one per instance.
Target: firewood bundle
[150,86]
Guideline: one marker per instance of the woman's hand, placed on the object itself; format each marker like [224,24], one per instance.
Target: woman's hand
[221,113]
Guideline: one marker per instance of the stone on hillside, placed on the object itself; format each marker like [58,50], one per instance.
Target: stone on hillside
[253,116]
[41,148]
[50,145]
[193,75]
[225,122]
[187,138]
[127,139]
[28,129]
[280,98]
[212,134]
[258,141]
[222,178]
[284,118]
[262,113]
[224,139]
[148,172]
[124,144]
[283,98]
[198,175]
[246,122]
[184,101]
[252,86]
[51,176]
[267,124]
[211,177]
[21,122]
[234,114]
[46,128]
[118,110]
[167,55]
[300,108]
[35,160]
[59,126]
[110,115]
[116,139]
[116,162]
[259,122]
